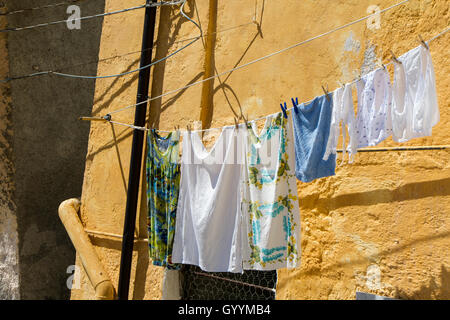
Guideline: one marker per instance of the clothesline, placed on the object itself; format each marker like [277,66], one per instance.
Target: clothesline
[156,4]
[50,72]
[259,59]
[254,120]
[39,8]
[125,54]
[124,73]
[407,148]
[70,20]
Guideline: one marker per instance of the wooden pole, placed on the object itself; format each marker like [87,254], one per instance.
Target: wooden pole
[208,86]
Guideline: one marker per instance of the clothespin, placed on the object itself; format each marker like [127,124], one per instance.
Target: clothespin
[423,42]
[188,127]
[326,91]
[104,118]
[394,58]
[284,108]
[245,119]
[384,66]
[236,122]
[295,104]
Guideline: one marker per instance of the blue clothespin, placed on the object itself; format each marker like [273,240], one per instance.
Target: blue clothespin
[284,108]
[295,104]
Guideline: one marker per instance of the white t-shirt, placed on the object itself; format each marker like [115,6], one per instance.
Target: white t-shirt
[208,225]
[414,105]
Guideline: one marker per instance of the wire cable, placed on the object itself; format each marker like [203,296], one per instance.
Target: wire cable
[210,129]
[124,73]
[119,56]
[262,58]
[155,4]
[75,19]
[438,35]
[143,67]
[39,8]
[196,39]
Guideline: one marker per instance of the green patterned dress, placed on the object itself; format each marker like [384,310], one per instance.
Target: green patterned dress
[163,184]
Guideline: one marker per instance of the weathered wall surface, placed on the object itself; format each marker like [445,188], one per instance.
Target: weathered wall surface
[381,225]
[9,249]
[49,143]
[108,157]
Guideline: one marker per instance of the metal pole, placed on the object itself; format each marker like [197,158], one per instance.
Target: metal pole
[136,154]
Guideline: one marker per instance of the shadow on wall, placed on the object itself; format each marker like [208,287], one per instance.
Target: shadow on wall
[223,83]
[386,252]
[437,288]
[49,144]
[170,22]
[410,191]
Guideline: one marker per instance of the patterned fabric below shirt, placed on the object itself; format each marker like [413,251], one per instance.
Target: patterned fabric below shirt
[270,201]
[163,185]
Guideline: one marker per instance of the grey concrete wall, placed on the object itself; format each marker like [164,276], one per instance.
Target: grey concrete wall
[49,143]
[9,251]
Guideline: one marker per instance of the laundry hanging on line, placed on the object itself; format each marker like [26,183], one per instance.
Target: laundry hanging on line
[343,115]
[312,126]
[238,206]
[208,223]
[163,184]
[374,119]
[415,108]
[270,209]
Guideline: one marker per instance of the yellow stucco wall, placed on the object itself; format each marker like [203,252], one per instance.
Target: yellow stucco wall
[381,225]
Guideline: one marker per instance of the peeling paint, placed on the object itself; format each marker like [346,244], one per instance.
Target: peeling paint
[373,277]
[352,44]
[371,60]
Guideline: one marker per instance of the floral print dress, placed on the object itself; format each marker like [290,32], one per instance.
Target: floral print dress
[163,185]
[271,216]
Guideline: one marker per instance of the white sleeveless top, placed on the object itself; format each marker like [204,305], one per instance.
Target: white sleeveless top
[208,225]
[271,215]
[414,105]
[373,121]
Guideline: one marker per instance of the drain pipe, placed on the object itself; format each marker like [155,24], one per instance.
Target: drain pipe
[137,149]
[68,213]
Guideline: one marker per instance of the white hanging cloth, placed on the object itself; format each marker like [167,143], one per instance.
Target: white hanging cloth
[344,112]
[414,105]
[208,226]
[373,121]
[271,215]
